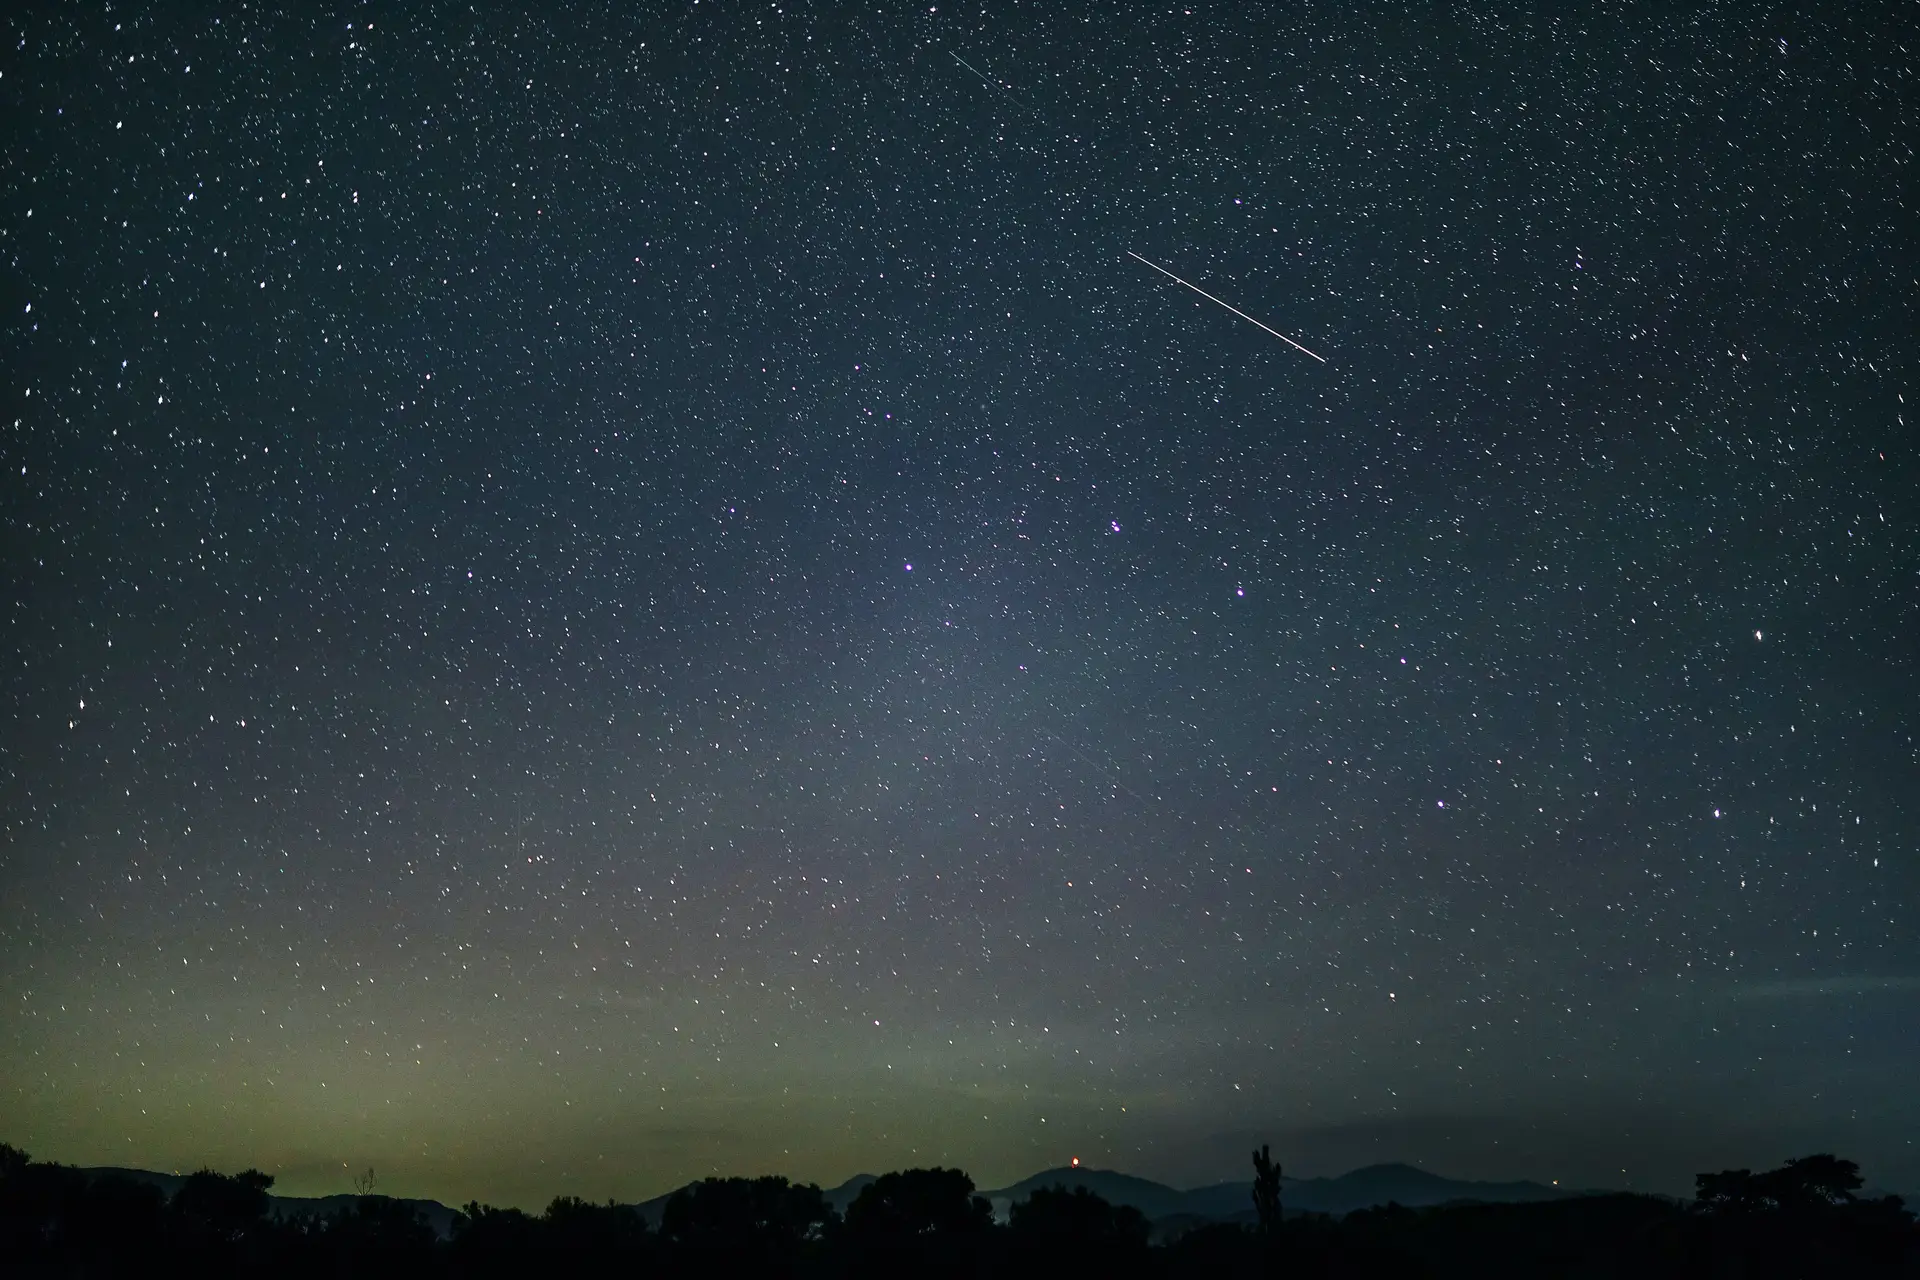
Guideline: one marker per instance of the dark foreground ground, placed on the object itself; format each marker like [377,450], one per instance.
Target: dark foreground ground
[56,1221]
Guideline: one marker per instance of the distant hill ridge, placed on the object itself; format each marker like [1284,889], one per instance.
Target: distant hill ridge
[838,1197]
[1232,1201]
[1220,1202]
[438,1215]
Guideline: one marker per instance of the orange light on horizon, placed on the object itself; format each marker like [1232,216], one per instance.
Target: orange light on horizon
[1076,1162]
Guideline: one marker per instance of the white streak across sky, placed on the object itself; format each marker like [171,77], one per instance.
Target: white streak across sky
[1229,306]
[977,71]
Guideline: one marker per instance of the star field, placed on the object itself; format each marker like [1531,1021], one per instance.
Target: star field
[598,598]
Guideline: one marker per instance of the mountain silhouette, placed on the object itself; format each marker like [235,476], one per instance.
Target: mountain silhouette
[847,1192]
[1801,1219]
[1153,1199]
[838,1198]
[294,1208]
[1219,1202]
[1380,1184]
[1365,1188]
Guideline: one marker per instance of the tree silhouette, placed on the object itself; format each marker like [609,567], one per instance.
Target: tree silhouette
[13,1161]
[117,1222]
[744,1224]
[229,1207]
[586,1238]
[1814,1182]
[1807,1184]
[18,1221]
[1055,1230]
[924,1222]
[918,1202]
[1728,1193]
[375,1236]
[1266,1191]
[489,1242]
[768,1210]
[1803,1219]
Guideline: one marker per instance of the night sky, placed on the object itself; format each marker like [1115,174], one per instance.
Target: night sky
[604,597]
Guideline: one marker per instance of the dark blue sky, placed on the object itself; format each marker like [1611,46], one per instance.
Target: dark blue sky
[467,710]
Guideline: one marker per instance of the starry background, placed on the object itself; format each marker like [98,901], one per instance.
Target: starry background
[467,709]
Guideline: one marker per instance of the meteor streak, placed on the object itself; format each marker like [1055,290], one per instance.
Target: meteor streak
[998,86]
[969,66]
[1229,306]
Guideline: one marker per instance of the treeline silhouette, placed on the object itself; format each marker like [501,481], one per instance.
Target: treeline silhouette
[1801,1220]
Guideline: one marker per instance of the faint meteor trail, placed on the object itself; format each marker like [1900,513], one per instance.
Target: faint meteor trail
[993,84]
[969,66]
[1229,306]
[1108,768]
